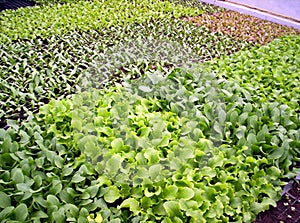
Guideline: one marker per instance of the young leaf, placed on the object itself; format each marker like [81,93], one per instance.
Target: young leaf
[17,176]
[117,144]
[185,193]
[172,208]
[112,194]
[5,212]
[21,212]
[5,200]
[132,204]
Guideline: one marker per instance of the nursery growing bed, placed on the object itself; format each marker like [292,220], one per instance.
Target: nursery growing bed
[236,25]
[70,121]
[242,27]
[46,21]
[52,67]
[47,148]
[47,57]
[258,74]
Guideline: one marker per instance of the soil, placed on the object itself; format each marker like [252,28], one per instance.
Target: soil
[287,210]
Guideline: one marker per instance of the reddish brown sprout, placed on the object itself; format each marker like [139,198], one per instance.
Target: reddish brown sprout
[242,27]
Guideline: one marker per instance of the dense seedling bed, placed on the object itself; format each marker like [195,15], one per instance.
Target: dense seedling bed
[53,2]
[52,67]
[242,27]
[120,111]
[60,19]
[272,71]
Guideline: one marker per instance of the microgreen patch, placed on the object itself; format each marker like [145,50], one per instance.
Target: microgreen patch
[157,148]
[170,145]
[58,19]
[242,27]
[162,148]
[52,68]
[271,71]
